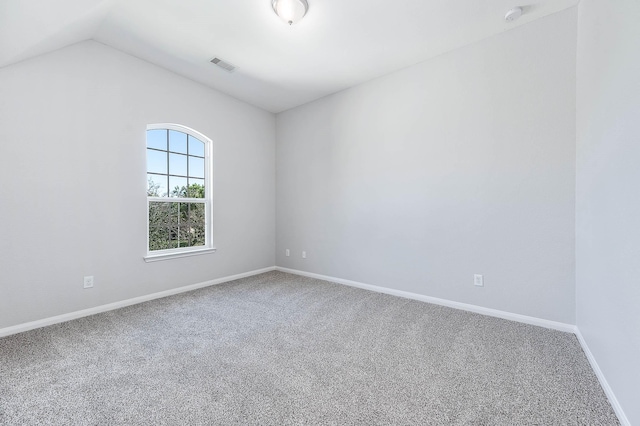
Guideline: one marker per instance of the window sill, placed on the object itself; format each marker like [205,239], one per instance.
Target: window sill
[167,256]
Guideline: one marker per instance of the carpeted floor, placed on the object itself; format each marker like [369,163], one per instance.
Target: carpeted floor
[278,349]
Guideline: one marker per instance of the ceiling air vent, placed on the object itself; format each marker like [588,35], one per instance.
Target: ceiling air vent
[224,65]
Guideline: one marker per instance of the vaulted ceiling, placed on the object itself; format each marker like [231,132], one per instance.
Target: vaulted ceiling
[340,43]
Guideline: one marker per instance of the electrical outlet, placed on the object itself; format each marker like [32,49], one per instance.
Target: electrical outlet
[88,281]
[478,280]
[287,253]
[304,254]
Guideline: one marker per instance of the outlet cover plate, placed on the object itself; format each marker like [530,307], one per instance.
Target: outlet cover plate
[478,280]
[88,282]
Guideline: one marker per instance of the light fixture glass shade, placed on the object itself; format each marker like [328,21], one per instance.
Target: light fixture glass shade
[291,11]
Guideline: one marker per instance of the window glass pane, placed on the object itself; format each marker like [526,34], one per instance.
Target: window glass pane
[156,185]
[177,186]
[157,139]
[177,164]
[173,214]
[184,214]
[156,161]
[196,146]
[177,141]
[184,235]
[196,167]
[158,238]
[174,238]
[159,225]
[196,224]
[155,215]
[179,225]
[196,188]
[159,214]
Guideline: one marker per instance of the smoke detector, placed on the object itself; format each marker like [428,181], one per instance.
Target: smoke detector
[513,14]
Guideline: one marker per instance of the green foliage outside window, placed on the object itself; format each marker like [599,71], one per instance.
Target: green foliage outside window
[176,224]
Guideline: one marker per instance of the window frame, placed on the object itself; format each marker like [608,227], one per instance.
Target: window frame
[164,254]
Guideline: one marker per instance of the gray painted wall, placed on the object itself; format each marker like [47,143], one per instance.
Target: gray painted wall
[72,164]
[608,193]
[459,165]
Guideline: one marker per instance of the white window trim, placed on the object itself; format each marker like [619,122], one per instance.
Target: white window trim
[166,256]
[156,255]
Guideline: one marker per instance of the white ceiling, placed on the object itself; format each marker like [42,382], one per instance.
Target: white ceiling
[340,43]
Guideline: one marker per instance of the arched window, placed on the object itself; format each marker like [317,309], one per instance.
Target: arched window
[179,191]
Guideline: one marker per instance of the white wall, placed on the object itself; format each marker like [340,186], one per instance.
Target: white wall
[459,165]
[73,180]
[608,193]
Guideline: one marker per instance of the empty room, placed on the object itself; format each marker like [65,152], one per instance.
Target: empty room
[287,212]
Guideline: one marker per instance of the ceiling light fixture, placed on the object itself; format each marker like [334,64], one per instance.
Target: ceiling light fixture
[291,11]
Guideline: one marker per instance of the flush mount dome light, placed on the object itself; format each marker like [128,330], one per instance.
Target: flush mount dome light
[291,11]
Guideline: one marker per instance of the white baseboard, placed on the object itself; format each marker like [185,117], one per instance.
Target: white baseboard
[624,421]
[121,304]
[569,328]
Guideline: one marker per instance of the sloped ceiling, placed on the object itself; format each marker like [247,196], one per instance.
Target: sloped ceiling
[340,43]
